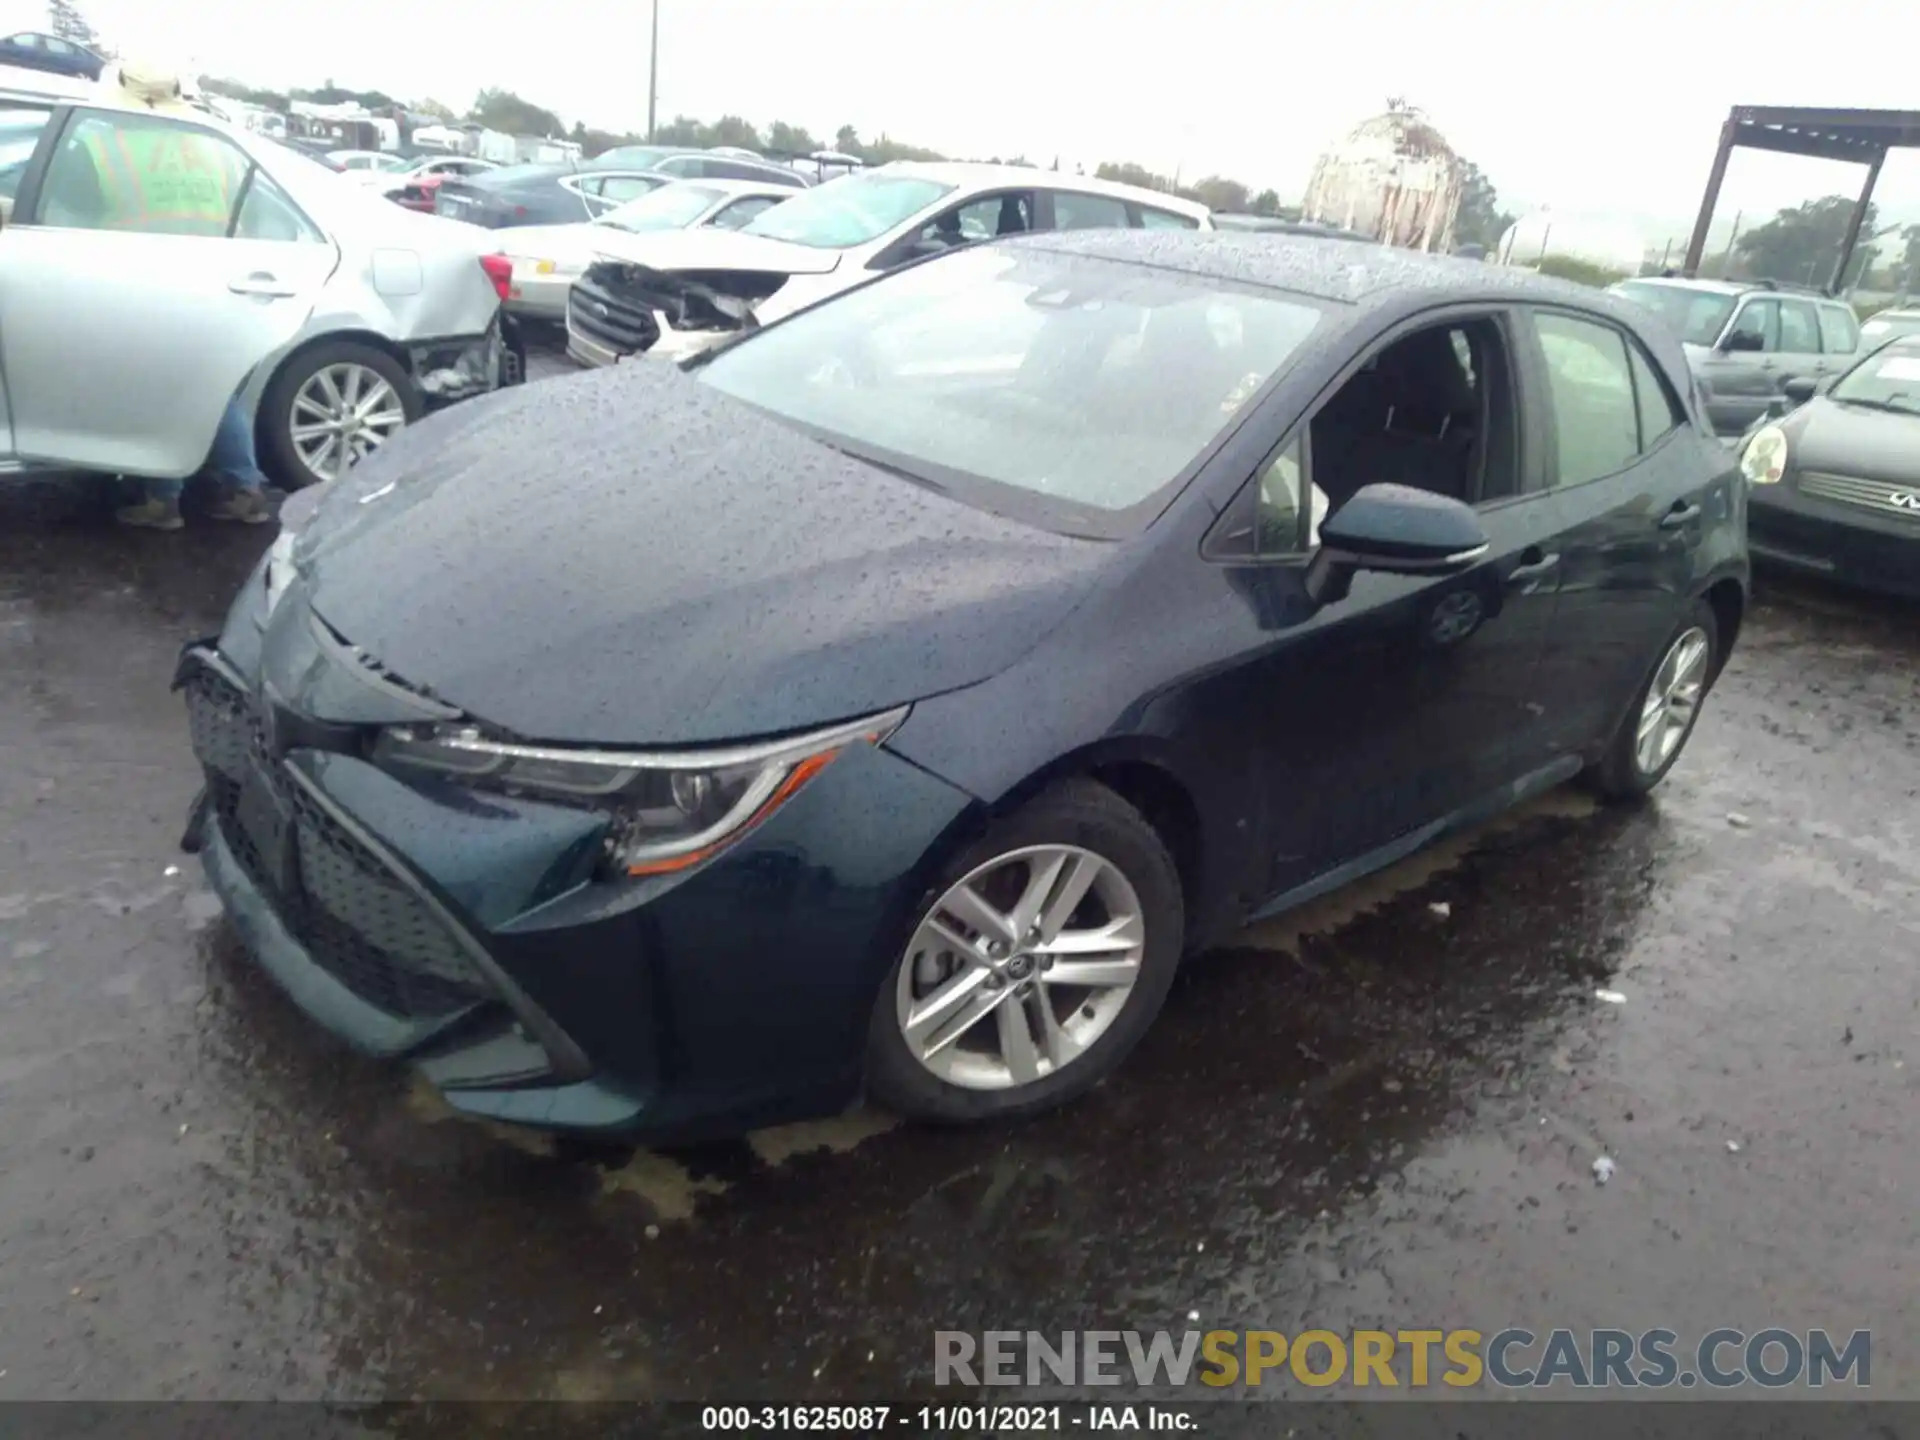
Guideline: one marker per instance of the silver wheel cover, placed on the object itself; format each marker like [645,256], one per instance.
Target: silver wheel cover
[1673,699]
[1020,967]
[342,414]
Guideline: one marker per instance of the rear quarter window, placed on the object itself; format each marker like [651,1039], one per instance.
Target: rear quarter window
[1839,332]
[1152,219]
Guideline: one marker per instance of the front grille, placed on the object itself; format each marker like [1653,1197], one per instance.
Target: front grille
[1902,502]
[607,320]
[340,900]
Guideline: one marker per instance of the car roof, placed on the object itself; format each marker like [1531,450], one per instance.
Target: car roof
[970,174]
[1732,287]
[1326,267]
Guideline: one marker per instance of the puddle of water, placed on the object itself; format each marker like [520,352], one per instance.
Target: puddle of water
[838,1134]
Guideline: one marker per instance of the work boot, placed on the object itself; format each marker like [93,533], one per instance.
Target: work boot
[249,507]
[150,515]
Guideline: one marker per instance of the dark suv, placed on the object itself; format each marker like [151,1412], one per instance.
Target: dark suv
[1745,339]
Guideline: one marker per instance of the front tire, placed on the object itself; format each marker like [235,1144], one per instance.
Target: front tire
[331,406]
[1660,721]
[1035,963]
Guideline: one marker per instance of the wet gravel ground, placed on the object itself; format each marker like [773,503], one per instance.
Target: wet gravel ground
[1380,1111]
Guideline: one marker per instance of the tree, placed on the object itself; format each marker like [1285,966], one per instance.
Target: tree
[1480,220]
[65,20]
[1216,192]
[332,94]
[732,130]
[1800,245]
[847,140]
[786,139]
[1908,272]
[246,94]
[1125,172]
[443,113]
[503,110]
[1267,202]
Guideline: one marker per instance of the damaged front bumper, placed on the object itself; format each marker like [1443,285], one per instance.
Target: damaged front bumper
[457,369]
[618,310]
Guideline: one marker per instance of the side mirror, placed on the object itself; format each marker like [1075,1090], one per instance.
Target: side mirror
[1395,530]
[1743,340]
[1800,389]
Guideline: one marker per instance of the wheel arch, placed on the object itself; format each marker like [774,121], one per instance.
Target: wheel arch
[1727,597]
[1148,779]
[373,339]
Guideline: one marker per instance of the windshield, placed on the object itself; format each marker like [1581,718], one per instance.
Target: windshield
[849,211]
[673,207]
[1078,387]
[1886,325]
[1698,315]
[1888,379]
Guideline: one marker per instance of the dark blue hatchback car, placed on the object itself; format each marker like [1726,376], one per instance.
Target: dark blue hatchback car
[895,695]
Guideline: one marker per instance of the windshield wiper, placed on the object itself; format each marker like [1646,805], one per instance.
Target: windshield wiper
[1887,405]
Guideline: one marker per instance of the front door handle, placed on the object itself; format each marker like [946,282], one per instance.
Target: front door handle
[1535,566]
[1682,513]
[262,286]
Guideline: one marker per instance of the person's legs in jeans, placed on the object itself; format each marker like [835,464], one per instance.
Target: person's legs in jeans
[235,467]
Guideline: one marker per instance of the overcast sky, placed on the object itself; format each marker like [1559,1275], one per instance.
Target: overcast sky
[1599,109]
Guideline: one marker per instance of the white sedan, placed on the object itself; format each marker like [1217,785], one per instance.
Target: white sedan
[547,259]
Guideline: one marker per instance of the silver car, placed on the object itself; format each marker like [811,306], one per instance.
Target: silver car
[1745,340]
[337,316]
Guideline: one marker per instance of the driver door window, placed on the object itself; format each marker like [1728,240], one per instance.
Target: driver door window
[130,172]
[981,219]
[1758,318]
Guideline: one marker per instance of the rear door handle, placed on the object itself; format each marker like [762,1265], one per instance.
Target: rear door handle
[262,286]
[1536,567]
[1681,514]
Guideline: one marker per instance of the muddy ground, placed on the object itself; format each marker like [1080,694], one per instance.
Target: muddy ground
[1381,1111]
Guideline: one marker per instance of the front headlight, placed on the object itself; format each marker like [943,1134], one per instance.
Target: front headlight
[671,809]
[1764,459]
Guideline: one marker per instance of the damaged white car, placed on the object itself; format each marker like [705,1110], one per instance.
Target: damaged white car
[156,261]
[675,294]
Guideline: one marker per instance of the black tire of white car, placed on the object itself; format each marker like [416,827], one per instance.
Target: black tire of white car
[280,456]
[1619,775]
[1085,816]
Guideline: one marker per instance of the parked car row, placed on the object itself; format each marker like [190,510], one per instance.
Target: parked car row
[336,317]
[1024,603]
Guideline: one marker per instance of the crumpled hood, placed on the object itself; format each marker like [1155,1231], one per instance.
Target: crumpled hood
[1854,440]
[629,557]
[713,249]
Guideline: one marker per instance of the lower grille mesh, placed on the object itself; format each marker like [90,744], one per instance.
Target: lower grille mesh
[353,915]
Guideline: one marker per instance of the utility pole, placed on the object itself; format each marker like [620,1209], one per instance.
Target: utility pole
[653,70]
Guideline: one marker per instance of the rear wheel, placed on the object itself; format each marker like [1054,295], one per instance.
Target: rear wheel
[1035,964]
[1657,727]
[332,406]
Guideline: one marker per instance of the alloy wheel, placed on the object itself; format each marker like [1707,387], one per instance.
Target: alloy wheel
[1673,699]
[342,414]
[1020,967]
